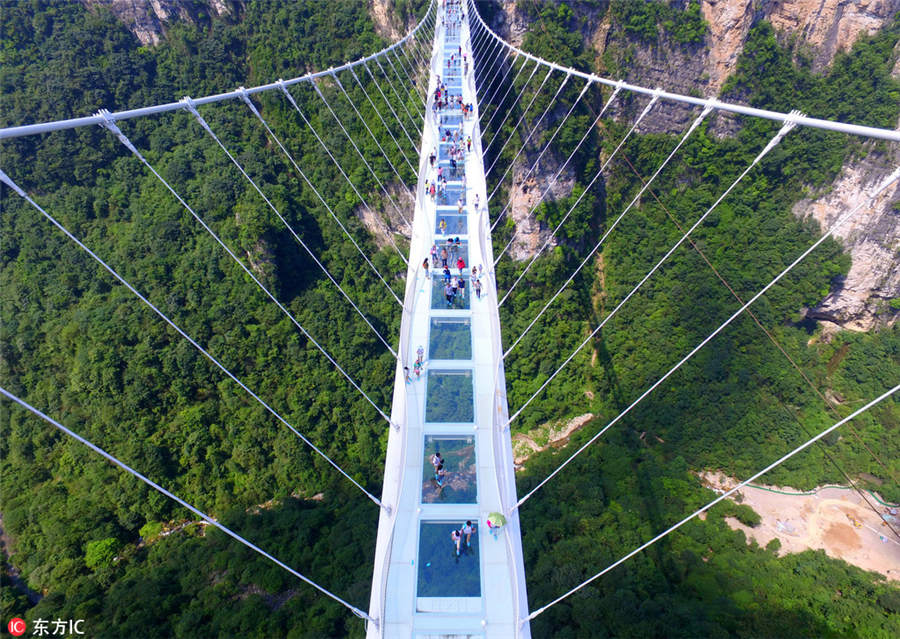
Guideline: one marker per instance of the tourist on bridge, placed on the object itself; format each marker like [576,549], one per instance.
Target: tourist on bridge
[468,530]
[446,275]
[460,264]
[477,285]
[444,258]
[434,260]
[437,460]
[449,294]
[456,538]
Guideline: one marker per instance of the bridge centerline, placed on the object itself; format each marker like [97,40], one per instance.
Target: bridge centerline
[454,403]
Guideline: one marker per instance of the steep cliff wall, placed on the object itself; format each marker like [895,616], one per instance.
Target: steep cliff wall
[816,30]
[147,19]
[863,299]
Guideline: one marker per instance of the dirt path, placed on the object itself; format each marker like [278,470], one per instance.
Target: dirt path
[551,434]
[833,519]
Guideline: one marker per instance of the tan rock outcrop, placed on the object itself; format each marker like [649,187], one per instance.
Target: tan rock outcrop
[729,22]
[829,26]
[862,300]
[147,19]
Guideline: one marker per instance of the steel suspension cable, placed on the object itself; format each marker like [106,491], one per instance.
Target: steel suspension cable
[829,125]
[840,222]
[383,121]
[391,107]
[374,139]
[486,67]
[409,76]
[190,106]
[503,99]
[518,122]
[574,206]
[785,129]
[207,518]
[587,85]
[492,89]
[340,168]
[403,100]
[481,41]
[399,98]
[718,499]
[634,200]
[793,363]
[492,93]
[408,72]
[552,181]
[6,179]
[362,157]
[417,65]
[534,128]
[331,212]
[513,106]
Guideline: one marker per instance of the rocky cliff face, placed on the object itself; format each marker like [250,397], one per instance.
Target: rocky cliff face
[147,19]
[862,300]
[817,29]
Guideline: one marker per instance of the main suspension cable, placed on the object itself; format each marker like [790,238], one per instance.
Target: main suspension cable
[572,208]
[718,499]
[207,518]
[8,181]
[840,222]
[191,107]
[387,231]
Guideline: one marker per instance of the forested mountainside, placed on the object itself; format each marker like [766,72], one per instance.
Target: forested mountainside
[92,543]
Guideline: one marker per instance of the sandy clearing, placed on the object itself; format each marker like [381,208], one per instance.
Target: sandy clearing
[833,519]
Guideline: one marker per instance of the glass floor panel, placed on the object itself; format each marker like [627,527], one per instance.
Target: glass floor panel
[453,174]
[451,119]
[444,151]
[454,251]
[450,397]
[447,131]
[443,573]
[453,224]
[451,197]
[457,485]
[450,338]
[458,302]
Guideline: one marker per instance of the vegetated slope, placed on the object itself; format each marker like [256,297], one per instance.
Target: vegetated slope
[85,350]
[739,404]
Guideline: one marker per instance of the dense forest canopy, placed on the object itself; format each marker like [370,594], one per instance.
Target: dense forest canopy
[94,542]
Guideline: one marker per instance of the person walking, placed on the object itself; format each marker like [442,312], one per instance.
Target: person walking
[477,285]
[425,268]
[468,530]
[456,538]
[448,293]
[460,264]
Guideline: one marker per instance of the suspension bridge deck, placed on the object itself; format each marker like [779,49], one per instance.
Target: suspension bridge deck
[421,585]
